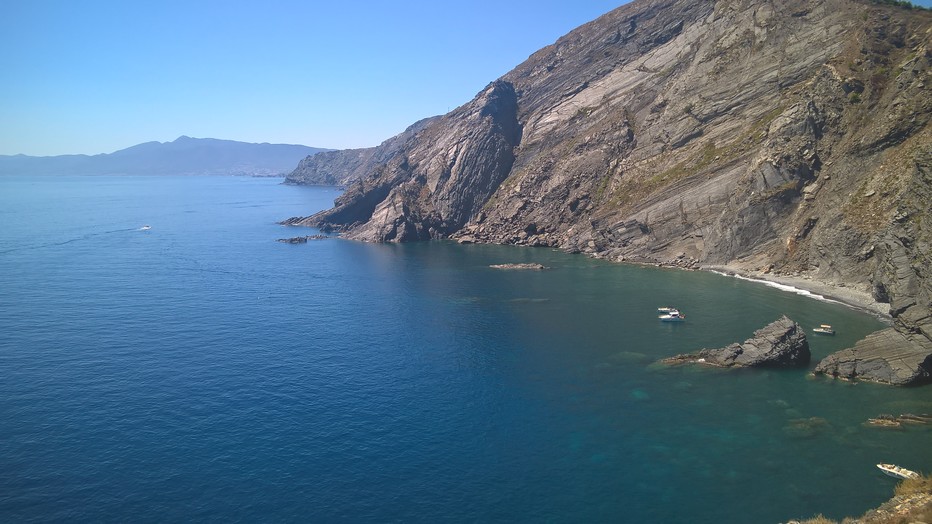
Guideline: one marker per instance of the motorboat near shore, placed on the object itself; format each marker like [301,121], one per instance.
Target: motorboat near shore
[824,329]
[898,472]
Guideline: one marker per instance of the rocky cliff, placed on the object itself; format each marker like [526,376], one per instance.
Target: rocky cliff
[789,137]
[345,166]
[887,357]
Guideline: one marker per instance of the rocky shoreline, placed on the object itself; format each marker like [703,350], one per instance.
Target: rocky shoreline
[780,344]
[641,137]
[820,290]
[911,502]
[888,356]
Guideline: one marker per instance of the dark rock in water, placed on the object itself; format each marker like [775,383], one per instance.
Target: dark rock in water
[293,240]
[886,420]
[518,266]
[806,427]
[301,240]
[779,344]
[887,356]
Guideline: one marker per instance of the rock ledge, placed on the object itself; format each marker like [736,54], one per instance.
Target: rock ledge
[781,343]
[886,356]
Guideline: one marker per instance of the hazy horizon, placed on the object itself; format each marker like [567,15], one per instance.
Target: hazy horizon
[102,76]
[181,137]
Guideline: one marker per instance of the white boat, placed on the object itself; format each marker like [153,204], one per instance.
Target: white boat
[145,228]
[673,315]
[898,472]
[824,329]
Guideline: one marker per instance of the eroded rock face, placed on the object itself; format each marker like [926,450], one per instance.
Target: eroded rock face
[343,167]
[438,179]
[780,344]
[887,357]
[792,137]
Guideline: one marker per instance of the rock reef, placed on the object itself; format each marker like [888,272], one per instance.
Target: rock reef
[780,344]
[519,266]
[301,240]
[906,419]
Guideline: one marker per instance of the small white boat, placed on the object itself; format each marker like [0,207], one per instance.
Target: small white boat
[898,472]
[824,329]
[673,315]
[145,227]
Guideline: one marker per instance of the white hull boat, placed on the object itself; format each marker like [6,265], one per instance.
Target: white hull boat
[672,315]
[898,472]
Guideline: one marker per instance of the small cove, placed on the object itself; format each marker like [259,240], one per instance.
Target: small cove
[202,370]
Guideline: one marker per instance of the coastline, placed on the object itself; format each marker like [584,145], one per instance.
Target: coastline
[804,285]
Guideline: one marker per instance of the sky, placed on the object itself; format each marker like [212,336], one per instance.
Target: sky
[97,76]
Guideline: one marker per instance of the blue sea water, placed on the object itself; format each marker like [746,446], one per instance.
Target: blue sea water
[202,371]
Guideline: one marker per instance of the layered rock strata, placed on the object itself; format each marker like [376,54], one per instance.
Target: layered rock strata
[887,356]
[781,343]
[791,138]
[345,166]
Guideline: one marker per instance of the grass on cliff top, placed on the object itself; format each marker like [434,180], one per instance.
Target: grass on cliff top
[922,484]
[906,488]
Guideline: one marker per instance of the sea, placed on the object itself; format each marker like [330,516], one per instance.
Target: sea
[200,371]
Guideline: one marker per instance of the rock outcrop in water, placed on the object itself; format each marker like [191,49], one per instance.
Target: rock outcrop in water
[781,343]
[789,137]
[887,357]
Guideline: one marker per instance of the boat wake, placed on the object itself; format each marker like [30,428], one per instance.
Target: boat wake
[87,236]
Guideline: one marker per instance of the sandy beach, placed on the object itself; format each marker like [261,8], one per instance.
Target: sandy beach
[805,285]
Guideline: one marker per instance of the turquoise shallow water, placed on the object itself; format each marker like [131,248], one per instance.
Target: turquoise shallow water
[202,371]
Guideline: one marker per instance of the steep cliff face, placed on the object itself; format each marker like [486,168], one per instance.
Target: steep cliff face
[789,136]
[439,177]
[343,167]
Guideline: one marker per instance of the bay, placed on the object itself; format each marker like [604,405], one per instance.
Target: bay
[200,370]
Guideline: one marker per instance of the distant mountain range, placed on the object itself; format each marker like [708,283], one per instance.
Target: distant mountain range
[184,156]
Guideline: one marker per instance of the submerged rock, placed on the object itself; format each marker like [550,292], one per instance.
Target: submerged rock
[779,344]
[518,266]
[301,240]
[886,420]
[887,356]
[805,427]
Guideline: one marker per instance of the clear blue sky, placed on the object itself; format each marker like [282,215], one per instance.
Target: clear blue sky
[96,76]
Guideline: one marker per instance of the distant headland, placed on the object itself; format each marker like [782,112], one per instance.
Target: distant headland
[183,156]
